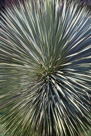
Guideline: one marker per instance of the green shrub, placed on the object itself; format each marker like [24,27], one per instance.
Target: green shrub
[45,70]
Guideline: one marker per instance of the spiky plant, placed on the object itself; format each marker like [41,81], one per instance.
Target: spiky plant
[45,69]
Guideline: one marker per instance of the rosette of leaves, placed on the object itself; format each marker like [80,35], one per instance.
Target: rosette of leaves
[45,69]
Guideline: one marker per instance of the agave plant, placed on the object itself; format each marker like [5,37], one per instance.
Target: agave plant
[45,69]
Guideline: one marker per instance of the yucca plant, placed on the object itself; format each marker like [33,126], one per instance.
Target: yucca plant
[45,69]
